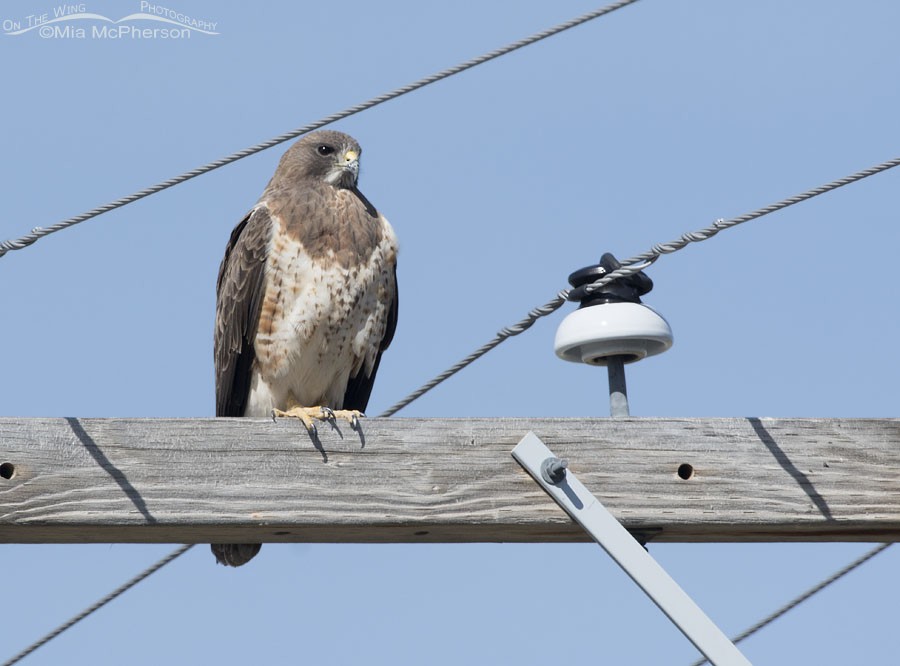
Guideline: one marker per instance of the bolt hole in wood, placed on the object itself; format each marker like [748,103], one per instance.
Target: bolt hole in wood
[421,533]
[7,470]
[685,471]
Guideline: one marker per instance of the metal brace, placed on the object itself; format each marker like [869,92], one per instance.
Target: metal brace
[552,474]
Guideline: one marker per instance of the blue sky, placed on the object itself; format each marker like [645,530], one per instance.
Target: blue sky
[617,135]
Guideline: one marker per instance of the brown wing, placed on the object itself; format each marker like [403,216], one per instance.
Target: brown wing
[239,292]
[359,388]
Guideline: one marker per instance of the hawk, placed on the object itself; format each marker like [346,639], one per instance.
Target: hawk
[306,297]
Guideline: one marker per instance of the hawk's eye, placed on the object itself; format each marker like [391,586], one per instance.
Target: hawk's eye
[324,150]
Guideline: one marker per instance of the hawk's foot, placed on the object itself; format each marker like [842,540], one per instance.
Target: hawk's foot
[308,415]
[351,415]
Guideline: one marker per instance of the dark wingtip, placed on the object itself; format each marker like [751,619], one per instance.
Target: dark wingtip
[235,554]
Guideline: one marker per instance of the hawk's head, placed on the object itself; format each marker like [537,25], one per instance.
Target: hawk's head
[332,157]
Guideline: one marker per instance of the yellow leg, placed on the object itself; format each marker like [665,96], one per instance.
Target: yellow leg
[308,415]
[305,414]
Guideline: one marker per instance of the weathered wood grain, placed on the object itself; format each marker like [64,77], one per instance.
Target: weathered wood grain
[443,480]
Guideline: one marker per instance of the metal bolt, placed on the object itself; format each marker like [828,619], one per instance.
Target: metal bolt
[553,470]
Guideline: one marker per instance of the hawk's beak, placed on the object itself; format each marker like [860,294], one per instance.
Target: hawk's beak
[345,172]
[351,164]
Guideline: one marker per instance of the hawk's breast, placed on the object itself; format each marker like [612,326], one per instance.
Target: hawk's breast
[322,318]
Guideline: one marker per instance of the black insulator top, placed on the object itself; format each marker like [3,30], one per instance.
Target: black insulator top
[624,290]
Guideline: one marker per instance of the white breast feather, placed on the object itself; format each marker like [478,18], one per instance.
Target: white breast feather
[329,325]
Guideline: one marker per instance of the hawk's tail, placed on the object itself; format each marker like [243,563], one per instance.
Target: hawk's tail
[235,554]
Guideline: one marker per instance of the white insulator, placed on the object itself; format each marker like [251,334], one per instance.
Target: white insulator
[594,333]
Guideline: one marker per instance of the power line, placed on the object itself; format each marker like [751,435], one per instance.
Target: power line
[631,266]
[803,597]
[39,232]
[99,604]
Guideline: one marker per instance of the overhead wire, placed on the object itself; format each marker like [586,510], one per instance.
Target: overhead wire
[837,575]
[146,573]
[631,266]
[39,232]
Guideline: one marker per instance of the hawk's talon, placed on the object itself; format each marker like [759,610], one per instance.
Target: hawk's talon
[322,413]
